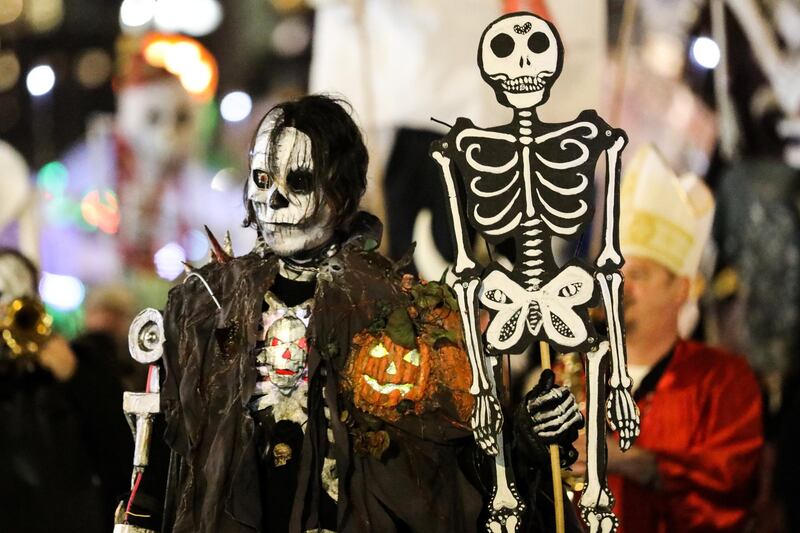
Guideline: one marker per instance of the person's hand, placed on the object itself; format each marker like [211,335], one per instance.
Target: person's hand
[58,358]
[636,464]
[550,415]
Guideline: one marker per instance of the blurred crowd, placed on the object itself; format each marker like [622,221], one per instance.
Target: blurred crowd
[124,137]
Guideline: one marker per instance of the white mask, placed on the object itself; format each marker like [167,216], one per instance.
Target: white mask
[282,194]
[157,120]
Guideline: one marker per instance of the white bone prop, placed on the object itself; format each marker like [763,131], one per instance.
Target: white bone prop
[528,181]
[596,501]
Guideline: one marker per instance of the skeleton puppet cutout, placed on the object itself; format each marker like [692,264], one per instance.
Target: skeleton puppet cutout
[529,181]
[289,215]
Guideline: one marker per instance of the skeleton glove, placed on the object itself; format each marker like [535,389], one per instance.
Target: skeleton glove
[549,415]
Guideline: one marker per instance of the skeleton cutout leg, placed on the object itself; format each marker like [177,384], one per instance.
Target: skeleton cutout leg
[596,502]
[487,416]
[506,508]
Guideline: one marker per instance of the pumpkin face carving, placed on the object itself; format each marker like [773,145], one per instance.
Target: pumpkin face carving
[385,373]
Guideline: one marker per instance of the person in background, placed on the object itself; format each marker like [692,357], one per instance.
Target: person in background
[693,466]
[144,193]
[65,449]
[108,312]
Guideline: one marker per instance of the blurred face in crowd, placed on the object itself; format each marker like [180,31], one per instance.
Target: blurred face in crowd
[157,120]
[653,297]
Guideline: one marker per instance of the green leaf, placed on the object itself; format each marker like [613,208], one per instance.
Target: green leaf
[400,328]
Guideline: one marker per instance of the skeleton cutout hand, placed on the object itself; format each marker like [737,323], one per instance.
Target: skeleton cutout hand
[529,181]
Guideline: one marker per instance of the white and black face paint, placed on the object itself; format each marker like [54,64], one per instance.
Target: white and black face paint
[16,280]
[282,193]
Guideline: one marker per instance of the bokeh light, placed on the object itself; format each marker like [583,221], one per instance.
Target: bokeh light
[93,68]
[100,208]
[196,245]
[235,106]
[186,58]
[705,52]
[43,15]
[193,17]
[226,180]
[136,13]
[10,10]
[9,70]
[169,261]
[291,36]
[41,80]
[53,178]
[64,293]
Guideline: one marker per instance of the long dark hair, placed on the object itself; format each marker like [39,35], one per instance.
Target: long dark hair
[340,158]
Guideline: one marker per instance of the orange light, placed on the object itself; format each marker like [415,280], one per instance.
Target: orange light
[185,57]
[101,210]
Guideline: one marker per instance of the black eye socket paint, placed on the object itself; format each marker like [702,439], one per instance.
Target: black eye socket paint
[299,180]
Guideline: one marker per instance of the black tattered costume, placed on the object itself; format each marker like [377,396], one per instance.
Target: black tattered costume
[427,479]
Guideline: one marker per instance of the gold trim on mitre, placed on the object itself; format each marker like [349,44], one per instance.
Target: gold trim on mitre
[663,217]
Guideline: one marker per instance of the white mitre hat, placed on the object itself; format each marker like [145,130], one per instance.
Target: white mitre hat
[664,217]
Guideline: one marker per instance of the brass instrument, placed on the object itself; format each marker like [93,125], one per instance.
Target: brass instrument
[25,327]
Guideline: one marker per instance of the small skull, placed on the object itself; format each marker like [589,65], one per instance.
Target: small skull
[285,353]
[281,191]
[520,56]
[281,454]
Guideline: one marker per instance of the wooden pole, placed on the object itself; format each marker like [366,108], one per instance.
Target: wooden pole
[555,456]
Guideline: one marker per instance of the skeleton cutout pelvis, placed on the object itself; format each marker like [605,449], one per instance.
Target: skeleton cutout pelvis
[554,312]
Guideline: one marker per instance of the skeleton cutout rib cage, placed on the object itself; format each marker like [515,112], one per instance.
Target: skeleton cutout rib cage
[529,181]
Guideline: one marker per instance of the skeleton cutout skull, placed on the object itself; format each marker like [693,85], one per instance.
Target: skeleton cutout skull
[520,56]
[282,194]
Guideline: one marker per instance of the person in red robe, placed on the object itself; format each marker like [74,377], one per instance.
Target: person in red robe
[693,466]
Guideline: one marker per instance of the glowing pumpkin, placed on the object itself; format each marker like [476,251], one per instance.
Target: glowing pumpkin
[384,373]
[389,380]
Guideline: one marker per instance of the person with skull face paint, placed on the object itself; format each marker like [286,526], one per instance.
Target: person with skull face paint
[259,349]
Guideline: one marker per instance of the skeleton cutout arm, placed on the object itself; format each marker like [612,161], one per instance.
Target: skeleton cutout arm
[487,417]
[621,411]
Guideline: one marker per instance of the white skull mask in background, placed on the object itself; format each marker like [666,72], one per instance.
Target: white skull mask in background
[282,194]
[157,119]
[520,56]
[285,353]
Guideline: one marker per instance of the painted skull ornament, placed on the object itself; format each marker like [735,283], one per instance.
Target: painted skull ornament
[281,191]
[520,56]
[285,353]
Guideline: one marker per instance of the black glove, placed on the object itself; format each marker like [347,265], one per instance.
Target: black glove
[548,415]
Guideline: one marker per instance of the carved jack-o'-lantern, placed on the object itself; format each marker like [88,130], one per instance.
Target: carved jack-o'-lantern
[390,380]
[385,373]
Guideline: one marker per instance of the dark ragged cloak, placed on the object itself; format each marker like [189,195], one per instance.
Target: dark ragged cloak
[210,376]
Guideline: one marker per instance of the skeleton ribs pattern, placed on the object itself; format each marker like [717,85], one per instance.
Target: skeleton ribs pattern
[529,181]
